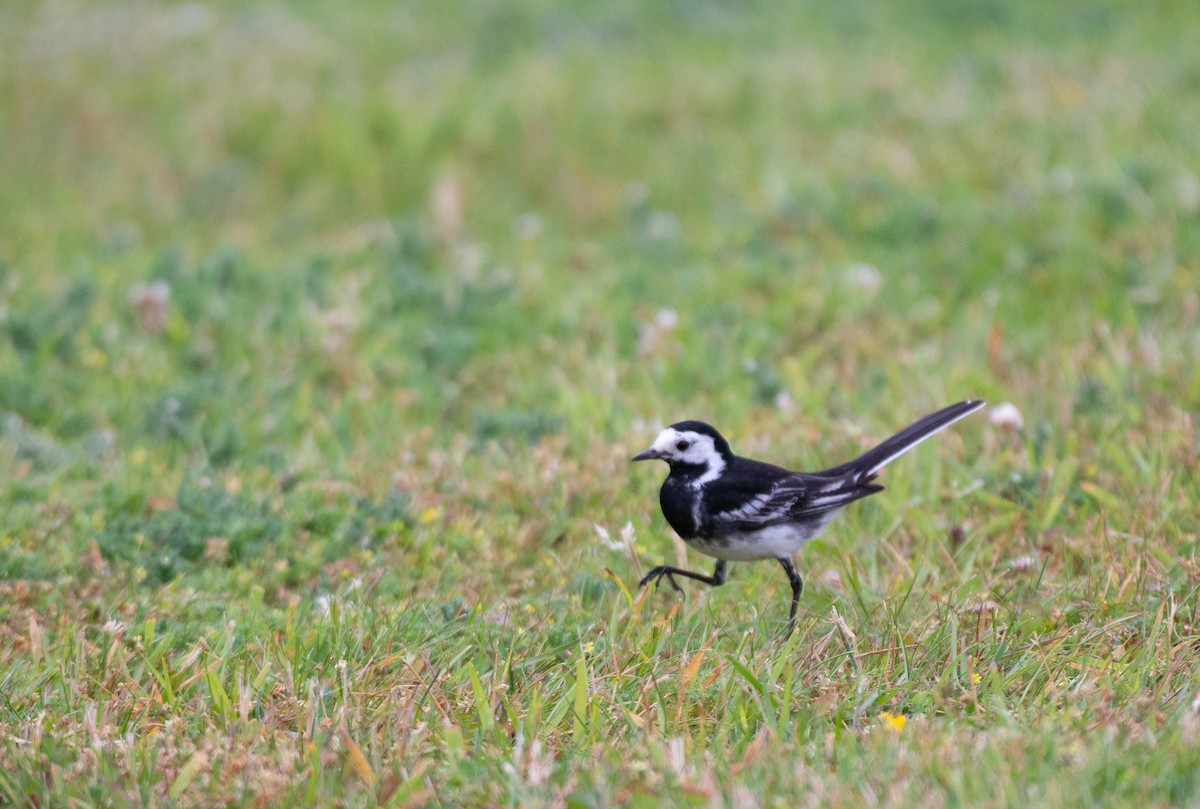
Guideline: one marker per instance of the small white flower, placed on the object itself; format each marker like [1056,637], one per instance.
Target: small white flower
[666,319]
[1026,562]
[661,225]
[866,277]
[528,226]
[468,261]
[613,544]
[651,334]
[1006,416]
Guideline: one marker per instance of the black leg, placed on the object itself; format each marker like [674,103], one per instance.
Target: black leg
[797,589]
[656,575]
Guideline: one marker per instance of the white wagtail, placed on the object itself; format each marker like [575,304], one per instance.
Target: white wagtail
[739,510]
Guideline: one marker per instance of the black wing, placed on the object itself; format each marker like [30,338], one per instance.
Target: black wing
[754,495]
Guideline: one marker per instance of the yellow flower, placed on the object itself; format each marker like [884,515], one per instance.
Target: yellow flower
[976,677]
[94,358]
[428,516]
[589,647]
[894,721]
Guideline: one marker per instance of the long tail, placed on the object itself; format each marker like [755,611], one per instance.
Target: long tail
[870,462]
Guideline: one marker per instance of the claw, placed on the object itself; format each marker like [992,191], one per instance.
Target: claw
[657,574]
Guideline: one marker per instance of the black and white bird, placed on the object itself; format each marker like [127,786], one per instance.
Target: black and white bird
[739,510]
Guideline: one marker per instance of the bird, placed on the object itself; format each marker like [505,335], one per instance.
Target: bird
[741,510]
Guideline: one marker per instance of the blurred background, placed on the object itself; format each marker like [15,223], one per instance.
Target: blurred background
[472,255]
[325,243]
[327,331]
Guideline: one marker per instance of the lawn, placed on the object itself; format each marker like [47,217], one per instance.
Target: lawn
[327,332]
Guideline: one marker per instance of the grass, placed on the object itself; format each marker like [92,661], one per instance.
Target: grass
[326,336]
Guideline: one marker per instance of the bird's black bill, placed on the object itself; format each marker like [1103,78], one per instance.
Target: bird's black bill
[645,456]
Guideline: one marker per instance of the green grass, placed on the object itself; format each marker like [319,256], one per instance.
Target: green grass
[321,527]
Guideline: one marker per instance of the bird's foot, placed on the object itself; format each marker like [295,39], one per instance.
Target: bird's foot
[657,574]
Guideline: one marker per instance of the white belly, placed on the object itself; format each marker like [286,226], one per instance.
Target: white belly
[773,542]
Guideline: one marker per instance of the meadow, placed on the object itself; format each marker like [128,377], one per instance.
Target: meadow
[327,332]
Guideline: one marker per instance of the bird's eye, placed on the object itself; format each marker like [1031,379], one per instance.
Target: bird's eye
[682,446]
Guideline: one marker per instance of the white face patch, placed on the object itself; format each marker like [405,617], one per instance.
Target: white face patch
[690,448]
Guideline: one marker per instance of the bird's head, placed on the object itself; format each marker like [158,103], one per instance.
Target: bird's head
[689,443]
